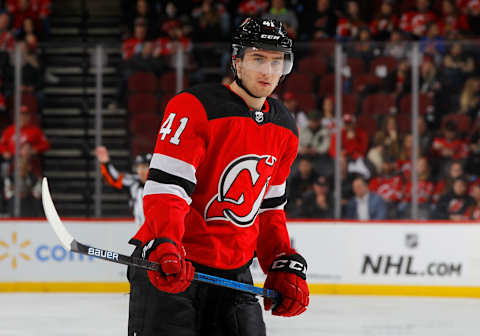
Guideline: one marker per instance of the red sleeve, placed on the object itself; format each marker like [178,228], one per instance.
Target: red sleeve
[180,149]
[5,140]
[273,237]
[41,143]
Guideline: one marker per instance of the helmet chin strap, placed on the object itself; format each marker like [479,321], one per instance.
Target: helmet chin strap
[239,82]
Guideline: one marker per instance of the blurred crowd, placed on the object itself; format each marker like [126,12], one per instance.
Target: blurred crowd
[376,127]
[23,23]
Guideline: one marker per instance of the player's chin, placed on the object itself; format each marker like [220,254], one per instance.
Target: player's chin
[264,90]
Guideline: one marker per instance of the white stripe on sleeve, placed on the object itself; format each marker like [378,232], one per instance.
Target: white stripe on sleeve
[276,191]
[174,167]
[152,188]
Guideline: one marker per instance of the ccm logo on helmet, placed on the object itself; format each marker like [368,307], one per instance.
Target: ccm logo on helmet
[270,37]
[241,190]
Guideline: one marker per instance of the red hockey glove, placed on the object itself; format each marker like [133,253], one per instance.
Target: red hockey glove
[287,276]
[176,274]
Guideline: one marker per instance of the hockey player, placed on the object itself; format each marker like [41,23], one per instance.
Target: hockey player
[134,182]
[214,198]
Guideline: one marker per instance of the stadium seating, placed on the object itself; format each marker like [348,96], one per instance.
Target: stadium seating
[142,82]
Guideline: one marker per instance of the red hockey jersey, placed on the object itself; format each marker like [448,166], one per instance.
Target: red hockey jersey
[216,182]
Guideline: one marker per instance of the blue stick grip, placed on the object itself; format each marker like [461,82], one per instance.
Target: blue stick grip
[267,293]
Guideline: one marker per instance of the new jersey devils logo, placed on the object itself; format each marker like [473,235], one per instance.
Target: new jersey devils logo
[241,189]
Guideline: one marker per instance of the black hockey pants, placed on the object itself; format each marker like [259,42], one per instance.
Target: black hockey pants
[201,310]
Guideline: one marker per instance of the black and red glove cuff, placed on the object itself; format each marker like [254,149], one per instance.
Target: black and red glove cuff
[149,247]
[290,263]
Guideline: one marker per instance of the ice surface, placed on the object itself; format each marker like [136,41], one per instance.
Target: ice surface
[26,314]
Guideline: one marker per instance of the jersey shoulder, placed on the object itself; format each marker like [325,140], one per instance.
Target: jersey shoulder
[282,116]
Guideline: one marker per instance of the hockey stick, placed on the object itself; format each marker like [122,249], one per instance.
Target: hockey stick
[71,244]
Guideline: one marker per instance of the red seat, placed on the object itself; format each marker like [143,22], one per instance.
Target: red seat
[368,123]
[463,122]
[425,104]
[306,101]
[362,81]
[388,61]
[357,66]
[404,122]
[28,99]
[142,82]
[327,85]
[349,104]
[168,82]
[323,48]
[299,82]
[144,129]
[313,65]
[379,104]
[142,103]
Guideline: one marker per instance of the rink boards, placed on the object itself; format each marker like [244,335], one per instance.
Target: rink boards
[376,258]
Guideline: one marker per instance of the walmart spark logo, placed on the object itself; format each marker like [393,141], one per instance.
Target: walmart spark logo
[15,250]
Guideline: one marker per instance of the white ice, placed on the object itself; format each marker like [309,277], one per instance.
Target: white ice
[106,314]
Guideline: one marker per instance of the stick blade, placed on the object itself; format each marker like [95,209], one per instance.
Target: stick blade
[53,218]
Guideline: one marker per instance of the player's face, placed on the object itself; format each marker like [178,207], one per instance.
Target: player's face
[260,70]
[142,171]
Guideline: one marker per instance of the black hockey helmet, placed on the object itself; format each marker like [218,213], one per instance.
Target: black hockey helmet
[143,158]
[267,34]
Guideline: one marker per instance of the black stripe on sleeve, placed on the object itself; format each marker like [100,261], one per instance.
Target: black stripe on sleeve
[273,202]
[160,176]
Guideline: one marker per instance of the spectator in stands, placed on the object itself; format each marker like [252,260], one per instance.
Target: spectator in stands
[429,80]
[348,25]
[354,145]
[472,11]
[134,44]
[30,186]
[444,185]
[475,193]
[375,155]
[458,65]
[425,136]
[433,43]
[385,22]
[389,185]
[299,183]
[31,70]
[456,205]
[449,146]
[166,47]
[470,98]
[29,133]
[415,22]
[425,191]
[291,103]
[280,12]
[318,203]
[20,11]
[346,181]
[472,165]
[328,112]
[143,11]
[404,159]
[398,82]
[250,8]
[319,23]
[364,47]
[452,21]
[7,47]
[396,46]
[211,22]
[389,136]
[314,139]
[365,205]
[7,40]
